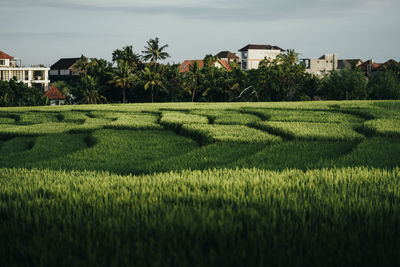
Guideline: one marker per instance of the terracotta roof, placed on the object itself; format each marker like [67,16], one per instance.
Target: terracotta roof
[225,64]
[5,56]
[64,63]
[53,93]
[226,54]
[266,47]
[386,64]
[365,66]
[184,67]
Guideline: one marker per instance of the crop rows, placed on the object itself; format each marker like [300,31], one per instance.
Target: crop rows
[244,217]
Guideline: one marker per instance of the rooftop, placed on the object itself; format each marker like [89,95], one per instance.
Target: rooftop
[261,47]
[53,93]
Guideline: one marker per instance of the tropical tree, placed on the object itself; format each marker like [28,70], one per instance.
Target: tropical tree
[126,54]
[154,52]
[209,60]
[191,79]
[384,85]
[214,84]
[237,82]
[123,78]
[81,66]
[152,78]
[345,84]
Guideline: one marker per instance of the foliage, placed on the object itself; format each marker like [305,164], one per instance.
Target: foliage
[14,93]
[385,85]
[346,84]
[154,52]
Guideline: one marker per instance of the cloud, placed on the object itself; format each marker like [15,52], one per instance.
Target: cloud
[234,10]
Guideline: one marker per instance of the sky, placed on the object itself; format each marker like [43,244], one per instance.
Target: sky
[43,31]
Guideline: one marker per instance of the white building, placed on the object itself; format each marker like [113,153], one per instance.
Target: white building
[252,54]
[32,76]
[321,66]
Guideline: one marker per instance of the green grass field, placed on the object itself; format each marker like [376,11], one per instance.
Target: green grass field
[202,184]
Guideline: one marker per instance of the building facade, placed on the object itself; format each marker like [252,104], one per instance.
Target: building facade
[32,76]
[63,69]
[321,66]
[252,55]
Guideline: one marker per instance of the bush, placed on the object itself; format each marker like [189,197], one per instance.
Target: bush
[384,85]
[345,85]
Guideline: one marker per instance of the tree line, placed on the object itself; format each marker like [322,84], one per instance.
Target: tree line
[133,77]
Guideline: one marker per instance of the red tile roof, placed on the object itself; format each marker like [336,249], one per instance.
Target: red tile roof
[184,67]
[5,56]
[369,65]
[53,93]
[225,64]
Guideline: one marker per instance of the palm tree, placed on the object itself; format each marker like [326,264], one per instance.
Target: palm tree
[154,52]
[81,66]
[124,77]
[126,54]
[237,81]
[92,95]
[192,78]
[209,60]
[152,78]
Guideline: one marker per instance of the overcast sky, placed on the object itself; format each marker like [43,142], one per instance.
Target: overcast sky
[42,31]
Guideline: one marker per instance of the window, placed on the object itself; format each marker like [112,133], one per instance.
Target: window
[2,62]
[244,55]
[244,65]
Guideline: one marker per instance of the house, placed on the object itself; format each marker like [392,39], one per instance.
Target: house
[11,67]
[55,96]
[184,67]
[348,63]
[385,65]
[321,66]
[63,69]
[370,67]
[228,57]
[252,54]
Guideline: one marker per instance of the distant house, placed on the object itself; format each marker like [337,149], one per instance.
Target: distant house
[370,67]
[184,67]
[348,63]
[383,66]
[55,96]
[253,54]
[11,67]
[228,57]
[321,66]
[63,69]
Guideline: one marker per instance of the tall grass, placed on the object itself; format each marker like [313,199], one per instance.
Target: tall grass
[247,217]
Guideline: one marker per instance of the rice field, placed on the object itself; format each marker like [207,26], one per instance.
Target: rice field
[181,184]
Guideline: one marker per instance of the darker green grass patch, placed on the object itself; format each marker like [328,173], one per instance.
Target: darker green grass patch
[29,152]
[17,145]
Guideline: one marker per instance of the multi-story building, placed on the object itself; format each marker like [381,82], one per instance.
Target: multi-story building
[63,69]
[11,67]
[253,54]
[321,66]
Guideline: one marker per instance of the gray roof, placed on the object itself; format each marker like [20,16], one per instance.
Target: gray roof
[257,46]
[64,63]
